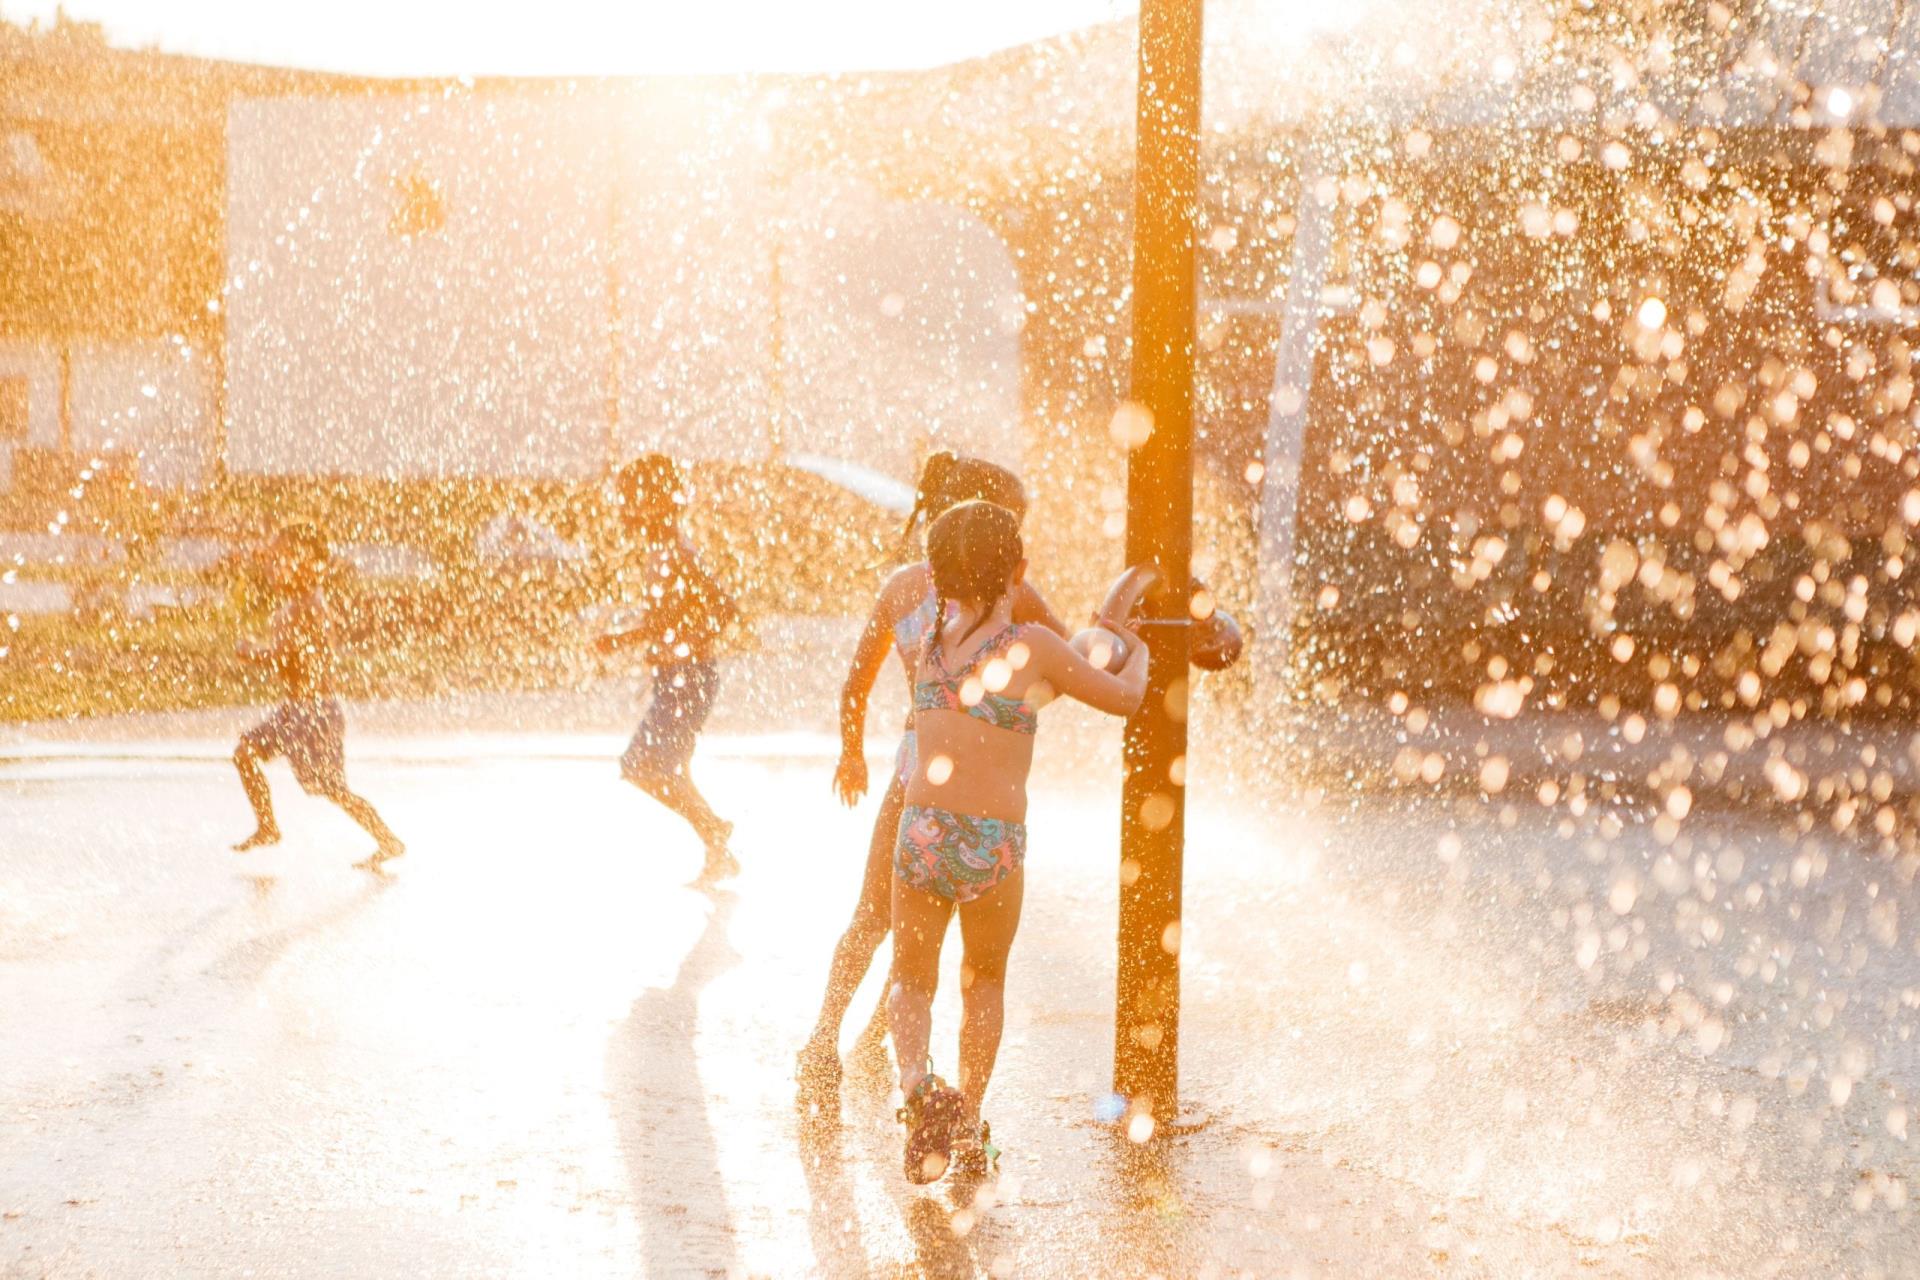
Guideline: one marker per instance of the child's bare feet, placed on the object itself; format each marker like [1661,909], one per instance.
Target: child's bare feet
[720,864]
[390,848]
[261,837]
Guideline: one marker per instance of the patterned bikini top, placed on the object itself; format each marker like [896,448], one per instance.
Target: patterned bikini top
[967,693]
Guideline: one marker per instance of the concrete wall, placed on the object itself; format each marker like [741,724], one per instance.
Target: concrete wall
[149,400]
[416,288]
[39,364]
[699,216]
[614,254]
[903,331]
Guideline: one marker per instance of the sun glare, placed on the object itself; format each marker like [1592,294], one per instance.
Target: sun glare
[549,548]
[578,37]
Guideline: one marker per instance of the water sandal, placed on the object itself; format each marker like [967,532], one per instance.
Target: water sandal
[975,1158]
[935,1114]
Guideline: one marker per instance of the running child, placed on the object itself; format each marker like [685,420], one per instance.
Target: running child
[688,614]
[898,623]
[308,727]
[978,687]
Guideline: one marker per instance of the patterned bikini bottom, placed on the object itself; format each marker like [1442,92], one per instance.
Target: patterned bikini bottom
[954,855]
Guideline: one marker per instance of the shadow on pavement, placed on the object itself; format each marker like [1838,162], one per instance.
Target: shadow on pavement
[659,1105]
[833,1208]
[940,1252]
[250,958]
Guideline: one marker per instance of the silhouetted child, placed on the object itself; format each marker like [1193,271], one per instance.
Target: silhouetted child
[687,616]
[309,725]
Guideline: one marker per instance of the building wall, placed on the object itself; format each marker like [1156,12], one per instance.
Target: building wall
[416,288]
[533,286]
[904,331]
[148,400]
[699,215]
[39,363]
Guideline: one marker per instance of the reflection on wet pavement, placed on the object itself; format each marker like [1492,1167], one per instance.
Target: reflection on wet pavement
[660,1103]
[533,1049]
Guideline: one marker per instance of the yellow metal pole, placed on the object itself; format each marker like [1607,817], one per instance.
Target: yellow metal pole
[1159,527]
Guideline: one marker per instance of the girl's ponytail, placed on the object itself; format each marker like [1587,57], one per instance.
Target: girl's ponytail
[932,647]
[930,497]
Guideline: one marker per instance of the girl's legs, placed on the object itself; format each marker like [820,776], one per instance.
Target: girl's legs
[677,792]
[659,758]
[253,780]
[872,917]
[987,927]
[919,925]
[370,822]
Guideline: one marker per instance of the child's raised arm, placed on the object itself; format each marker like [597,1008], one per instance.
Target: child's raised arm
[1072,676]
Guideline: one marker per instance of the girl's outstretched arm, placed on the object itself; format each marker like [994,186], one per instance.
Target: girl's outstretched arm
[1072,676]
[609,643]
[869,655]
[1125,594]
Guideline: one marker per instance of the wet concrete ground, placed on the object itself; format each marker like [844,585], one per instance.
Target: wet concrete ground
[533,1050]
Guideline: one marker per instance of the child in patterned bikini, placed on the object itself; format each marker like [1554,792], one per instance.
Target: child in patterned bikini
[979,683]
[898,624]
